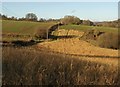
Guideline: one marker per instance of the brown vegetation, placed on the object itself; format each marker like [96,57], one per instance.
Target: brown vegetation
[109,40]
[109,24]
[65,61]
[40,33]
[87,22]
[102,39]
[91,34]
[27,66]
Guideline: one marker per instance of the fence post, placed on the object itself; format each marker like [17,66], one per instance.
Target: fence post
[47,34]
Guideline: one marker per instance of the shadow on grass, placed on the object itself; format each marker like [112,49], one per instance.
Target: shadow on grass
[24,43]
[93,56]
[61,37]
[19,43]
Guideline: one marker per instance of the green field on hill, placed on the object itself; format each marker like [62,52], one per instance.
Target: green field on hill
[27,27]
[85,27]
[24,27]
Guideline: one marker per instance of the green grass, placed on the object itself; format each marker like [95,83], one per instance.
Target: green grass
[27,27]
[23,27]
[84,28]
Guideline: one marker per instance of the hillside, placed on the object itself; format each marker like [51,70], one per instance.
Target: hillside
[76,47]
[85,27]
[24,27]
[27,27]
[64,59]
[22,30]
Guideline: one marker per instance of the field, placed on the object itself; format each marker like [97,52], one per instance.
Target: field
[77,47]
[63,59]
[26,26]
[85,27]
[22,30]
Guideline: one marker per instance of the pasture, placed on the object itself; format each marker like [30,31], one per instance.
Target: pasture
[86,27]
[24,27]
[22,30]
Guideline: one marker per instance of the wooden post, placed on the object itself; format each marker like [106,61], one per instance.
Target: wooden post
[47,34]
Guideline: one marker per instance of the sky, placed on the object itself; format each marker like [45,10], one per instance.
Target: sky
[59,0]
[94,11]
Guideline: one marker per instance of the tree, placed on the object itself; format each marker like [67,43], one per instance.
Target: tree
[22,19]
[70,20]
[87,22]
[31,17]
[0,15]
[13,18]
[42,20]
[109,23]
[4,17]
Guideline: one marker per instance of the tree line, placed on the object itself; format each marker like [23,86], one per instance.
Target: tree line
[28,17]
[109,23]
[68,19]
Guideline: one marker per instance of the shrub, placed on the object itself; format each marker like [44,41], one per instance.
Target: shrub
[109,40]
[40,34]
[91,34]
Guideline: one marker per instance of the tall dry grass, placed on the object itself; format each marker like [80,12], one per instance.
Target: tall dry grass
[27,66]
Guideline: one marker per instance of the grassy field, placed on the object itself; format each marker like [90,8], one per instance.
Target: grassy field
[27,27]
[22,30]
[23,27]
[85,27]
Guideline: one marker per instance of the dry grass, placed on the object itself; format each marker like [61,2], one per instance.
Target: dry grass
[67,61]
[74,46]
[109,40]
[27,66]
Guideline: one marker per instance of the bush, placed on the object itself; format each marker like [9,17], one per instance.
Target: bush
[40,34]
[109,40]
[91,34]
[102,39]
